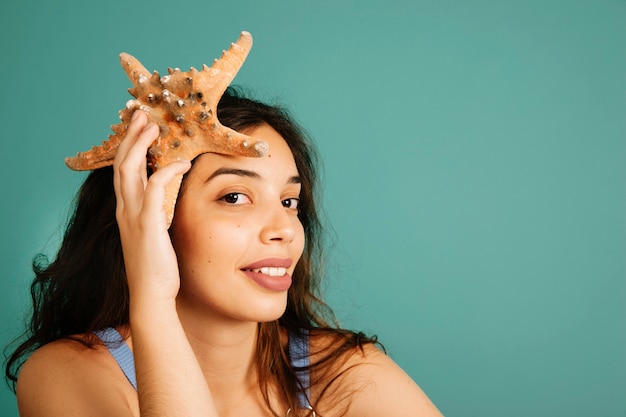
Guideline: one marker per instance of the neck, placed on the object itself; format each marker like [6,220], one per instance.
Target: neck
[226,352]
[224,348]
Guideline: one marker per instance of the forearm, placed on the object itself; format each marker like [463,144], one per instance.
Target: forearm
[169,379]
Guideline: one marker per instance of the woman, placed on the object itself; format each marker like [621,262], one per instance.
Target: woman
[221,312]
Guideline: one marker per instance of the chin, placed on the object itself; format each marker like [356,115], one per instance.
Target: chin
[270,311]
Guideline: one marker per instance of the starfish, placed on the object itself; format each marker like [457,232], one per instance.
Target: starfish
[184,106]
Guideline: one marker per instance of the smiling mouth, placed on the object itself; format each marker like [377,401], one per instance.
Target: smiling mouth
[271,278]
[271,271]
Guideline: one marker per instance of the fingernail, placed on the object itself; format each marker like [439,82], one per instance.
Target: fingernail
[135,116]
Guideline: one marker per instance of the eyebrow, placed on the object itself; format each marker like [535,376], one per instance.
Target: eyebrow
[246,173]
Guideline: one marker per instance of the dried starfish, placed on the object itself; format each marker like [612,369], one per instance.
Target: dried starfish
[184,106]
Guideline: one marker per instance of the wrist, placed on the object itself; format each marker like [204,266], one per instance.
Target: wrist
[152,311]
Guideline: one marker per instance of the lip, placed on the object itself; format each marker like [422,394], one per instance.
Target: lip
[270,262]
[272,283]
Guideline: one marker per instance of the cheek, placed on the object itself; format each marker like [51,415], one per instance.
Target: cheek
[192,243]
[299,239]
[211,243]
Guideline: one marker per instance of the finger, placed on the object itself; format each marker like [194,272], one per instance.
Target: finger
[132,172]
[137,124]
[154,196]
[135,158]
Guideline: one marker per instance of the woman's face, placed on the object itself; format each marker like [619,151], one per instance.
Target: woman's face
[237,234]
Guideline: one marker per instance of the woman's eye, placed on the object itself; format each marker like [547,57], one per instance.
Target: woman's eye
[235,198]
[291,203]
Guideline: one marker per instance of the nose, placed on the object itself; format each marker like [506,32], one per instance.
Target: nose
[279,225]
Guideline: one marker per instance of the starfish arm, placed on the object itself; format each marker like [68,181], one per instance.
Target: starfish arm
[224,69]
[135,71]
[97,157]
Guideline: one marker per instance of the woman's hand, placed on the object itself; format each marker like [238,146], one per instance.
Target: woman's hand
[151,265]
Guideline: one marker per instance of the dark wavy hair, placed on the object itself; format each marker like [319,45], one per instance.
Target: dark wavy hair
[84,288]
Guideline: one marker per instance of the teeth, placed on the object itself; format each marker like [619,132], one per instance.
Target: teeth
[271,271]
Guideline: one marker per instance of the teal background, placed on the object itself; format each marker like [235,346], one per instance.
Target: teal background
[475,170]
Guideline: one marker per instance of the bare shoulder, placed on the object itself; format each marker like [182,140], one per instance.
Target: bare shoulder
[367,382]
[66,377]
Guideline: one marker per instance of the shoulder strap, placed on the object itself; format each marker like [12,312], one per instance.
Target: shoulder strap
[299,356]
[120,351]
